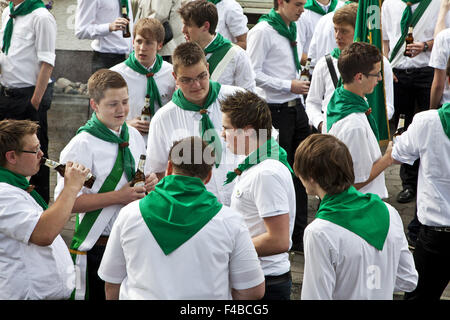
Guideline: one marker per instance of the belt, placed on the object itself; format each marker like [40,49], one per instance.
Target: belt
[438,229]
[102,241]
[14,92]
[288,104]
[271,280]
[412,70]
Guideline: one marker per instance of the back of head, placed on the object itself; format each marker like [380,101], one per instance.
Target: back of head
[346,15]
[186,55]
[12,133]
[244,108]
[192,157]
[150,29]
[198,12]
[326,160]
[103,80]
[359,57]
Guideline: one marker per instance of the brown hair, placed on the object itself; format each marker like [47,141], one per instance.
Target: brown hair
[150,29]
[199,12]
[12,133]
[275,4]
[246,108]
[359,57]
[103,80]
[187,54]
[192,157]
[346,15]
[326,160]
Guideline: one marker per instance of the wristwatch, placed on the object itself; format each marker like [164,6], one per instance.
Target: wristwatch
[425,46]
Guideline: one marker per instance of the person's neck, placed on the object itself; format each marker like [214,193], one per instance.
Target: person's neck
[253,144]
[285,19]
[17,2]
[324,2]
[320,193]
[354,88]
[206,40]
[146,65]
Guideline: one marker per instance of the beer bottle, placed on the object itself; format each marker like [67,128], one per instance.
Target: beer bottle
[139,178]
[146,114]
[408,40]
[61,169]
[304,75]
[126,31]
[400,127]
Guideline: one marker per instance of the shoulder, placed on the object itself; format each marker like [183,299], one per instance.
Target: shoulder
[43,15]
[226,90]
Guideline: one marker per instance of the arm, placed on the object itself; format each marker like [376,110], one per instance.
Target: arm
[316,95]
[440,24]
[386,48]
[112,291]
[53,220]
[255,293]
[242,41]
[41,84]
[437,88]
[276,239]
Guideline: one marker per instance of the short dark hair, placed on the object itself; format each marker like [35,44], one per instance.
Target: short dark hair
[246,108]
[187,54]
[12,133]
[326,160]
[275,4]
[193,157]
[103,80]
[359,57]
[149,28]
[199,12]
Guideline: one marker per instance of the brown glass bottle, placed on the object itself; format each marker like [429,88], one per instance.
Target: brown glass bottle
[126,31]
[305,75]
[408,40]
[400,127]
[139,178]
[61,168]
[146,113]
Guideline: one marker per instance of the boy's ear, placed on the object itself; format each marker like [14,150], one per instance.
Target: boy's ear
[159,47]
[93,105]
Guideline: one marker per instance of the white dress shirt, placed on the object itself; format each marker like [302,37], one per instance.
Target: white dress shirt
[340,265]
[29,271]
[273,62]
[33,41]
[426,139]
[171,123]
[355,131]
[232,20]
[439,58]
[322,40]
[92,21]
[220,256]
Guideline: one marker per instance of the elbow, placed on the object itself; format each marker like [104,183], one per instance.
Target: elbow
[43,240]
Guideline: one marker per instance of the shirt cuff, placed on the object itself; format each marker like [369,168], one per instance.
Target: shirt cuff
[47,57]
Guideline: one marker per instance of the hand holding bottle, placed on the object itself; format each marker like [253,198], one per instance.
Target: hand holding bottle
[75,176]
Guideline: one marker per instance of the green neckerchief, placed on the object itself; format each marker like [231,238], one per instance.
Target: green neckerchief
[363,214]
[269,150]
[152,88]
[23,9]
[214,1]
[96,128]
[124,3]
[317,8]
[344,103]
[219,48]
[409,20]
[206,127]
[444,115]
[177,209]
[274,19]
[19,181]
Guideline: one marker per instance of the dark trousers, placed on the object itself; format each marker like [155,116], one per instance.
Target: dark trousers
[95,286]
[15,104]
[102,60]
[432,260]
[278,287]
[293,127]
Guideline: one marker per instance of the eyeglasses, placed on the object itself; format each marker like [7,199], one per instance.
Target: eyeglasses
[376,75]
[188,81]
[33,152]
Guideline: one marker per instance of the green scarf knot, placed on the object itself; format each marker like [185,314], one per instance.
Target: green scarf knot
[314,6]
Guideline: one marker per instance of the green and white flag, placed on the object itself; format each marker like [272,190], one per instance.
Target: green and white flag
[368,29]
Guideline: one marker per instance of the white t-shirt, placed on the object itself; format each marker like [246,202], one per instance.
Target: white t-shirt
[262,191]
[33,41]
[171,123]
[426,139]
[29,271]
[99,156]
[355,131]
[439,58]
[220,256]
[232,20]
[92,21]
[340,265]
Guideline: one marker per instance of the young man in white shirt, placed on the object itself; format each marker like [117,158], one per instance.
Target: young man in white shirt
[273,49]
[102,21]
[36,263]
[193,111]
[264,191]
[146,73]
[232,21]
[175,233]
[356,248]
[349,118]
[228,63]
[428,138]
[440,89]
[111,150]
[28,41]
